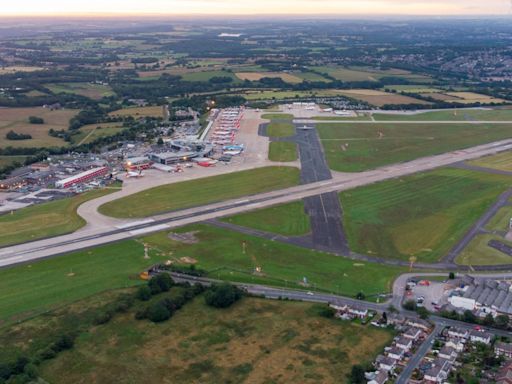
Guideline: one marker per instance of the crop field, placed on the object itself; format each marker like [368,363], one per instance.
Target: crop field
[92,91]
[451,115]
[201,191]
[285,219]
[359,147]
[286,95]
[312,76]
[91,132]
[501,161]
[282,151]
[368,74]
[48,219]
[200,344]
[136,112]
[219,251]
[471,97]
[30,289]
[255,76]
[380,98]
[420,216]
[207,75]
[479,253]
[16,119]
[18,68]
[413,88]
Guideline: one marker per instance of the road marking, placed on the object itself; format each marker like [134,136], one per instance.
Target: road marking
[134,223]
[6,252]
[149,229]
[241,201]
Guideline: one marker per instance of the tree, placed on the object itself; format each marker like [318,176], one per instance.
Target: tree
[35,120]
[360,296]
[410,305]
[451,276]
[489,320]
[158,313]
[160,141]
[422,312]
[144,293]
[160,283]
[357,374]
[222,296]
[501,321]
[469,317]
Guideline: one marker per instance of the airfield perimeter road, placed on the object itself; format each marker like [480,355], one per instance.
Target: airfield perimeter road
[107,233]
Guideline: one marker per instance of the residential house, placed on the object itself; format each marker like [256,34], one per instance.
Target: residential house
[503,349]
[424,325]
[439,371]
[504,375]
[412,333]
[458,333]
[396,353]
[358,312]
[480,337]
[387,364]
[404,343]
[448,353]
[380,378]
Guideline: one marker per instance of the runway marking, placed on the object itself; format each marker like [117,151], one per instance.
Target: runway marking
[149,229]
[6,252]
[134,223]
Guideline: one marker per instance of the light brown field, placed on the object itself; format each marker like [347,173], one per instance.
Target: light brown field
[471,97]
[14,69]
[16,119]
[255,76]
[139,112]
[440,96]
[379,98]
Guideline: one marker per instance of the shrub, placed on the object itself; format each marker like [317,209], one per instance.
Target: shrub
[222,296]
[410,305]
[144,293]
[35,120]
[360,296]
[158,313]
[102,317]
[160,283]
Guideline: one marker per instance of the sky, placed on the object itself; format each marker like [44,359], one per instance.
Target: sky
[251,7]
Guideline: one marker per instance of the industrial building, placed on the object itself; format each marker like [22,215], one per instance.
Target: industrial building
[82,177]
[168,158]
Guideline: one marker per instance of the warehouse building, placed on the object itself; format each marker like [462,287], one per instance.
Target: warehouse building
[82,177]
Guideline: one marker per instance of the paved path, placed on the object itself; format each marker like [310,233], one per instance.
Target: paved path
[477,168]
[348,121]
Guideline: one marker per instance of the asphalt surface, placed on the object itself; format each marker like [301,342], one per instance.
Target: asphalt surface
[108,232]
[418,356]
[476,168]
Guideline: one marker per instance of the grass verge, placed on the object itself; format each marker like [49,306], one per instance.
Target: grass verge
[282,151]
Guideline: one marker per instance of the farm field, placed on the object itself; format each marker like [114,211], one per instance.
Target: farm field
[380,98]
[286,219]
[137,112]
[45,220]
[286,95]
[479,253]
[282,151]
[367,74]
[255,76]
[471,97]
[420,216]
[501,161]
[92,91]
[200,344]
[207,75]
[30,289]
[312,76]
[219,251]
[91,132]
[412,88]
[451,115]
[359,147]
[201,191]
[16,119]
[18,68]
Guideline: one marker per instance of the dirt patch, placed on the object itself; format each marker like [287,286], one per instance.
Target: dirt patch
[185,238]
[188,260]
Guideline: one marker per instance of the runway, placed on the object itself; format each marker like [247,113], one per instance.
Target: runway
[111,232]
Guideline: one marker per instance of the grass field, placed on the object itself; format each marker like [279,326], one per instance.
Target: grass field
[18,68]
[255,76]
[479,253]
[412,88]
[202,191]
[30,289]
[137,112]
[47,219]
[359,147]
[207,75]
[380,98]
[254,341]
[91,132]
[287,95]
[422,215]
[368,74]
[280,129]
[92,91]
[286,219]
[501,161]
[16,119]
[359,117]
[312,76]
[452,115]
[282,151]
[277,116]
[220,252]
[501,220]
[8,160]
[471,97]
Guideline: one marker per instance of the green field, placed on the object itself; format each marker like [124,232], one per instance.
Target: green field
[46,220]
[420,216]
[220,252]
[286,219]
[280,129]
[312,76]
[91,132]
[342,118]
[369,74]
[253,341]
[412,88]
[359,147]
[277,116]
[479,253]
[282,151]
[501,161]
[501,220]
[207,75]
[201,191]
[451,115]
[37,287]
[8,160]
[93,91]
